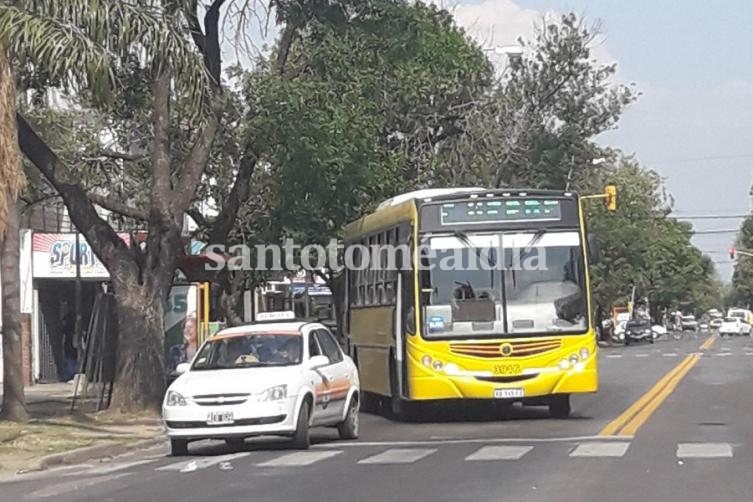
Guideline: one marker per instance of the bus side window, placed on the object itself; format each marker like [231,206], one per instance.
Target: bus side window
[425,278]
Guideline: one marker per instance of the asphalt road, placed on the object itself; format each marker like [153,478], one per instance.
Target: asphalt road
[686,436]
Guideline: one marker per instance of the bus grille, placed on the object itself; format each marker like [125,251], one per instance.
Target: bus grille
[494,350]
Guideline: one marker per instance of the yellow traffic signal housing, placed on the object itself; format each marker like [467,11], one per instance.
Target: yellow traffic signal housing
[611,192]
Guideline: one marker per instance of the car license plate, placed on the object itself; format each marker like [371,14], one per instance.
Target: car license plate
[507,393]
[225,417]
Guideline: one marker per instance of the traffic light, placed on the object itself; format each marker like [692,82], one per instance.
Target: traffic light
[611,192]
[731,253]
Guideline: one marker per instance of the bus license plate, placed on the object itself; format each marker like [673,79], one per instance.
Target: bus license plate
[507,393]
[223,418]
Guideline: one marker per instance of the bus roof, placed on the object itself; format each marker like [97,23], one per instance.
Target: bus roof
[404,207]
[426,193]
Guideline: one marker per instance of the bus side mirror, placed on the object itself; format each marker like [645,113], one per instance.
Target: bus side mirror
[594,251]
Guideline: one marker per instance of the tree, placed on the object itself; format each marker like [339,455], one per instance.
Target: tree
[742,277]
[11,183]
[84,51]
[537,126]
[355,115]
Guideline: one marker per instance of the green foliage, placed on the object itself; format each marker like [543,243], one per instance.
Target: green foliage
[358,110]
[742,277]
[537,126]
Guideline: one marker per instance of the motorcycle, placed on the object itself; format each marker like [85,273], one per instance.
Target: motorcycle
[638,330]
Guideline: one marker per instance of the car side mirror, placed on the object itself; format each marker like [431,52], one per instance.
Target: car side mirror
[317,362]
[182,368]
[594,252]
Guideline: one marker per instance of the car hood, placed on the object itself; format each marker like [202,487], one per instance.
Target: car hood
[234,381]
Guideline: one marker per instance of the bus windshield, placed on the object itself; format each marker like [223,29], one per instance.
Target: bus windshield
[502,284]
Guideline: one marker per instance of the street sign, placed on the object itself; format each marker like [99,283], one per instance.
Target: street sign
[276,316]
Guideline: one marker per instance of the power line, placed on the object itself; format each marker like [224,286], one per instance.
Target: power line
[712,217]
[719,231]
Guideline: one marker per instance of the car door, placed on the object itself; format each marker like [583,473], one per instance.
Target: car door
[337,375]
[319,381]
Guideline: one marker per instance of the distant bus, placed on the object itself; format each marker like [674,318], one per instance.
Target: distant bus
[441,334]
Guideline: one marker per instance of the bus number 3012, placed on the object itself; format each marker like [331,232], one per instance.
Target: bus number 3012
[506,369]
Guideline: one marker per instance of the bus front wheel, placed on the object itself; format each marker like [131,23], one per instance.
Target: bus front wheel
[559,406]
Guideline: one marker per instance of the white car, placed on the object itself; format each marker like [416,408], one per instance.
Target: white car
[734,326]
[263,379]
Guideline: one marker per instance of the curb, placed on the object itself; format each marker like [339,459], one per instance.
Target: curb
[97,451]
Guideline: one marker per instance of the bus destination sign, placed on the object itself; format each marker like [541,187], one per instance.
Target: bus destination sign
[501,210]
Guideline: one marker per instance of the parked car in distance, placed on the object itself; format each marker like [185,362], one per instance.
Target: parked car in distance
[716,323]
[689,323]
[734,326]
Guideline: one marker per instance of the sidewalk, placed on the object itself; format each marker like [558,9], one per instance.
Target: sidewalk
[55,435]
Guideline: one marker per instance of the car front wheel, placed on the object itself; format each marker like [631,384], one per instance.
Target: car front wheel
[301,438]
[348,428]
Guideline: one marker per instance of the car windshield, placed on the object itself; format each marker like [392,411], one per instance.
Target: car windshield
[492,284]
[730,319]
[250,350]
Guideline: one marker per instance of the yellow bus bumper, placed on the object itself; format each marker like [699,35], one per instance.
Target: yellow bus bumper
[469,387]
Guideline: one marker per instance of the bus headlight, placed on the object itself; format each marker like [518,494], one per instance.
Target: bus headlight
[564,364]
[584,353]
[437,365]
[451,369]
[574,359]
[426,361]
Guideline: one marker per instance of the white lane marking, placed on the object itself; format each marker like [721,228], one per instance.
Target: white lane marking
[704,450]
[670,354]
[614,356]
[600,450]
[299,458]
[425,442]
[73,485]
[108,468]
[641,355]
[723,354]
[499,453]
[398,456]
[201,462]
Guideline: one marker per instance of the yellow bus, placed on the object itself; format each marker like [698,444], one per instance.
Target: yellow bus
[435,328]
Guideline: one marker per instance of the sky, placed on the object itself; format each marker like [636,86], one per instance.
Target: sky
[693,61]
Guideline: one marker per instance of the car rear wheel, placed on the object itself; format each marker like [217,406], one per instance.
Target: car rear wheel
[178,447]
[348,428]
[301,439]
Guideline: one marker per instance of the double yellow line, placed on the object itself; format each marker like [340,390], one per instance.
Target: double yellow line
[640,411]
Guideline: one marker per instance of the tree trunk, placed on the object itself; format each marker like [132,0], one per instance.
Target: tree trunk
[14,406]
[140,368]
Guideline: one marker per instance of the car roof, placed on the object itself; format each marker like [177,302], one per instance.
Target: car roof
[291,328]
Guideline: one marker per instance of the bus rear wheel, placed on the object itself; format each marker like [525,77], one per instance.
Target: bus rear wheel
[559,406]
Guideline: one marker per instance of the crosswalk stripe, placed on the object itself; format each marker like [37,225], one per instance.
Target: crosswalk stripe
[201,463]
[398,456]
[611,449]
[614,356]
[641,355]
[670,354]
[704,450]
[300,458]
[498,453]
